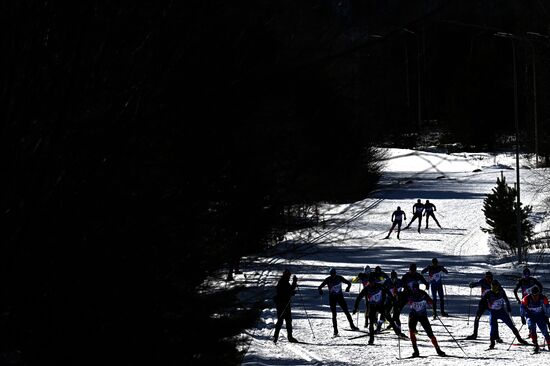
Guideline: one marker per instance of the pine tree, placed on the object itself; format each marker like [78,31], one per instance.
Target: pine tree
[499,208]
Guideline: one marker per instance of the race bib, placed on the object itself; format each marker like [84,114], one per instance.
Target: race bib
[419,306]
[336,289]
[436,277]
[537,309]
[497,304]
[376,298]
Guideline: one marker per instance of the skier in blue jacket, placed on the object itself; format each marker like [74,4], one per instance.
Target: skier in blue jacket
[534,307]
[376,296]
[485,284]
[336,296]
[435,275]
[499,308]
[395,287]
[418,301]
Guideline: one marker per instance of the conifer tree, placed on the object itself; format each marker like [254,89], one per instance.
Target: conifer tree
[499,208]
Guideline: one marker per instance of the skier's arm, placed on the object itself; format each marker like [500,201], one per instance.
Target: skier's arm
[425,270]
[358,299]
[346,282]
[444,269]
[392,216]
[323,284]
[516,291]
[423,280]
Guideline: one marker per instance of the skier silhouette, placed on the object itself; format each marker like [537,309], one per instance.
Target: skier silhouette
[397,218]
[429,212]
[417,209]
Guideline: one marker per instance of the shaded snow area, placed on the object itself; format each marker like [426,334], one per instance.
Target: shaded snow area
[352,236]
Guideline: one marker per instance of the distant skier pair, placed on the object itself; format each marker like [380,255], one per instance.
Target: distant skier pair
[419,209]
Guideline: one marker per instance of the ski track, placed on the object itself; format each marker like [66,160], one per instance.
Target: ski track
[460,246]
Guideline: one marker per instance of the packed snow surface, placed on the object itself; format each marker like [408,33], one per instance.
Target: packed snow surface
[352,236]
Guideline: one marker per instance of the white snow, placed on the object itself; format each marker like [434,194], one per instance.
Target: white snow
[353,237]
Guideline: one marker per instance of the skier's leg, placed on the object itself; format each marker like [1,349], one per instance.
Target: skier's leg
[441,299]
[412,328]
[344,306]
[366,314]
[493,325]
[437,222]
[427,217]
[398,228]
[332,303]
[433,287]
[391,229]
[280,319]
[288,321]
[372,320]
[508,321]
[410,222]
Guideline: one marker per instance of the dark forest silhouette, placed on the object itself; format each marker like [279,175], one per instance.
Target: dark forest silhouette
[148,146]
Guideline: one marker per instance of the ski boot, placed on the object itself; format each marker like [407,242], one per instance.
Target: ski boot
[291,339]
[471,337]
[492,345]
[440,352]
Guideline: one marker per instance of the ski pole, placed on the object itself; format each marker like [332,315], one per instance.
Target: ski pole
[469,307]
[510,346]
[304,306]
[444,326]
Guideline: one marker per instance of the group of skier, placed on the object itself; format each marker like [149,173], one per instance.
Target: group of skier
[419,210]
[386,296]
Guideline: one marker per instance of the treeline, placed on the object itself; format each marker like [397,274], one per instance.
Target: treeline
[145,148]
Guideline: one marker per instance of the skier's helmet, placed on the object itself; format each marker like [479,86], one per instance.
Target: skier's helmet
[526,272]
[489,275]
[535,290]
[412,267]
[419,201]
[332,271]
[366,269]
[377,269]
[427,201]
[398,208]
[393,274]
[434,261]
[286,272]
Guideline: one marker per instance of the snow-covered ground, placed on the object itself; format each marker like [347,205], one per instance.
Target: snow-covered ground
[352,236]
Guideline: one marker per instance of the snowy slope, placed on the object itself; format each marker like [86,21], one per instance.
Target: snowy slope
[353,237]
